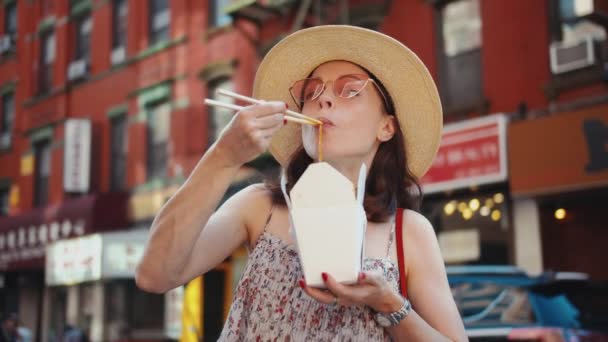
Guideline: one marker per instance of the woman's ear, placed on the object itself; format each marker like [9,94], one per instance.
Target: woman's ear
[387,128]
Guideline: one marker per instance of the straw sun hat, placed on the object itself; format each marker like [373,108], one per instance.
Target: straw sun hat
[414,94]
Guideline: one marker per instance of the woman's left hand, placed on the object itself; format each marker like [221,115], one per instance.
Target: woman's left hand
[371,289]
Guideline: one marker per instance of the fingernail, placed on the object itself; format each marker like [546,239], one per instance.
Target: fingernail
[284,122]
[324,276]
[362,275]
[286,105]
[302,283]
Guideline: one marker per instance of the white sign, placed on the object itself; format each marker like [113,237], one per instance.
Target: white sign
[74,261]
[174,300]
[77,155]
[93,257]
[460,245]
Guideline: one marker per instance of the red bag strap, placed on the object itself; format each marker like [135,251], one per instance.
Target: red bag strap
[400,256]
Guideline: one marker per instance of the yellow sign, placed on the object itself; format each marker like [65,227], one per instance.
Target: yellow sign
[192,320]
[14,196]
[27,164]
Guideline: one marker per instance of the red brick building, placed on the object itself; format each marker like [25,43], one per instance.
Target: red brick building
[137,72]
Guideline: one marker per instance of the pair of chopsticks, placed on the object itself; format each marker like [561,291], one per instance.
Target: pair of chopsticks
[289,114]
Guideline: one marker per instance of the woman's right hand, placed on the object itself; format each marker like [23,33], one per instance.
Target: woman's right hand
[249,132]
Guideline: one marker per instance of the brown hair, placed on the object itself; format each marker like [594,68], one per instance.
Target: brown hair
[389,182]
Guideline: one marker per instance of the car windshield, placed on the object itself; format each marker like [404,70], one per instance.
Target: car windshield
[486,304]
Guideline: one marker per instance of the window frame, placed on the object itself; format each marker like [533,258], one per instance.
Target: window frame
[154,168]
[45,70]
[480,103]
[41,182]
[213,10]
[5,198]
[7,27]
[82,42]
[118,152]
[3,119]
[119,36]
[163,34]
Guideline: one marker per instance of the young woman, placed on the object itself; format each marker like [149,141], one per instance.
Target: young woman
[380,107]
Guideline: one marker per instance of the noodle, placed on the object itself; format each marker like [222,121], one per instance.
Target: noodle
[320,147]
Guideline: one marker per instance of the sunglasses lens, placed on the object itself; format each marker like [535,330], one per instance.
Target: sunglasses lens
[307,89]
[349,85]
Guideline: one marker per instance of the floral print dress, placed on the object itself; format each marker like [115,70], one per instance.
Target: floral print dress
[270,306]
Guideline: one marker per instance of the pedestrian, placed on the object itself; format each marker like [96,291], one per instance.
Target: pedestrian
[379,106]
[8,328]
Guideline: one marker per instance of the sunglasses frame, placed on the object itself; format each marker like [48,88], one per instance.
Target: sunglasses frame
[363,77]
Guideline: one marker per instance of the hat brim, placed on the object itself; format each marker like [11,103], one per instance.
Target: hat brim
[407,80]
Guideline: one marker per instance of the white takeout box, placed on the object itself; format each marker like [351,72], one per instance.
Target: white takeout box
[329,223]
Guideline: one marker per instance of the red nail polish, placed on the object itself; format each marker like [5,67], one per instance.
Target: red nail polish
[286,105]
[324,276]
[284,122]
[362,275]
[302,284]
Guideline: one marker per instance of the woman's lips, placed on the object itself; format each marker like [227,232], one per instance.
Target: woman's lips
[326,122]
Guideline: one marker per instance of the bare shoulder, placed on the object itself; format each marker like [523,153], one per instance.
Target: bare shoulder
[252,205]
[417,227]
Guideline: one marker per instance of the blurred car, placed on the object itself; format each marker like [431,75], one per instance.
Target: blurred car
[503,303]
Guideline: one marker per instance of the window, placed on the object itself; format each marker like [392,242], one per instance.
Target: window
[47,57]
[158,139]
[120,12]
[570,27]
[4,200]
[118,158]
[42,166]
[218,118]
[8,117]
[214,296]
[82,39]
[460,60]
[217,15]
[159,21]
[10,20]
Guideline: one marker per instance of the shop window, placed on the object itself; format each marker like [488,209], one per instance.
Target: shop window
[214,298]
[158,139]
[47,58]
[159,21]
[218,118]
[145,312]
[217,13]
[118,152]
[460,55]
[7,120]
[42,171]
[472,229]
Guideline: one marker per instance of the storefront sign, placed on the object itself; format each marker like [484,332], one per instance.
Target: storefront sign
[24,237]
[460,245]
[563,152]
[99,256]
[77,155]
[27,164]
[471,153]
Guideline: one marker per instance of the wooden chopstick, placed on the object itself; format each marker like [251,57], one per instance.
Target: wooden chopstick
[252,100]
[216,103]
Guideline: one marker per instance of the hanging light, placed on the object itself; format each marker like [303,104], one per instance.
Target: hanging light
[489,203]
[449,208]
[474,204]
[484,211]
[560,213]
[499,198]
[462,206]
[496,215]
[467,214]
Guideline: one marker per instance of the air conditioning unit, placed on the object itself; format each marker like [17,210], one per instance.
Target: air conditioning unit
[6,43]
[569,56]
[77,69]
[118,55]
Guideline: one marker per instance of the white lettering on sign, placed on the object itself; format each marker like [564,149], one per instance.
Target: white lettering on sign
[32,236]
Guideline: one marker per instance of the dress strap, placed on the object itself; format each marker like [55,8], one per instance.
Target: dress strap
[400,252]
[269,217]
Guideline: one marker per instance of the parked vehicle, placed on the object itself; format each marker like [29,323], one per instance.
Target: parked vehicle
[503,303]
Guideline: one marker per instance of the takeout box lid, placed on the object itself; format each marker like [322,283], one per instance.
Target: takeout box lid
[323,186]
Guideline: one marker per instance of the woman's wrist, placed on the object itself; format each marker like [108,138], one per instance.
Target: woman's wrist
[391,302]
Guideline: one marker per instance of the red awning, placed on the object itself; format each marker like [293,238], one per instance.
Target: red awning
[23,237]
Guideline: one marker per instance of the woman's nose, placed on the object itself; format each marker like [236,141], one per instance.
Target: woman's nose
[326,100]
